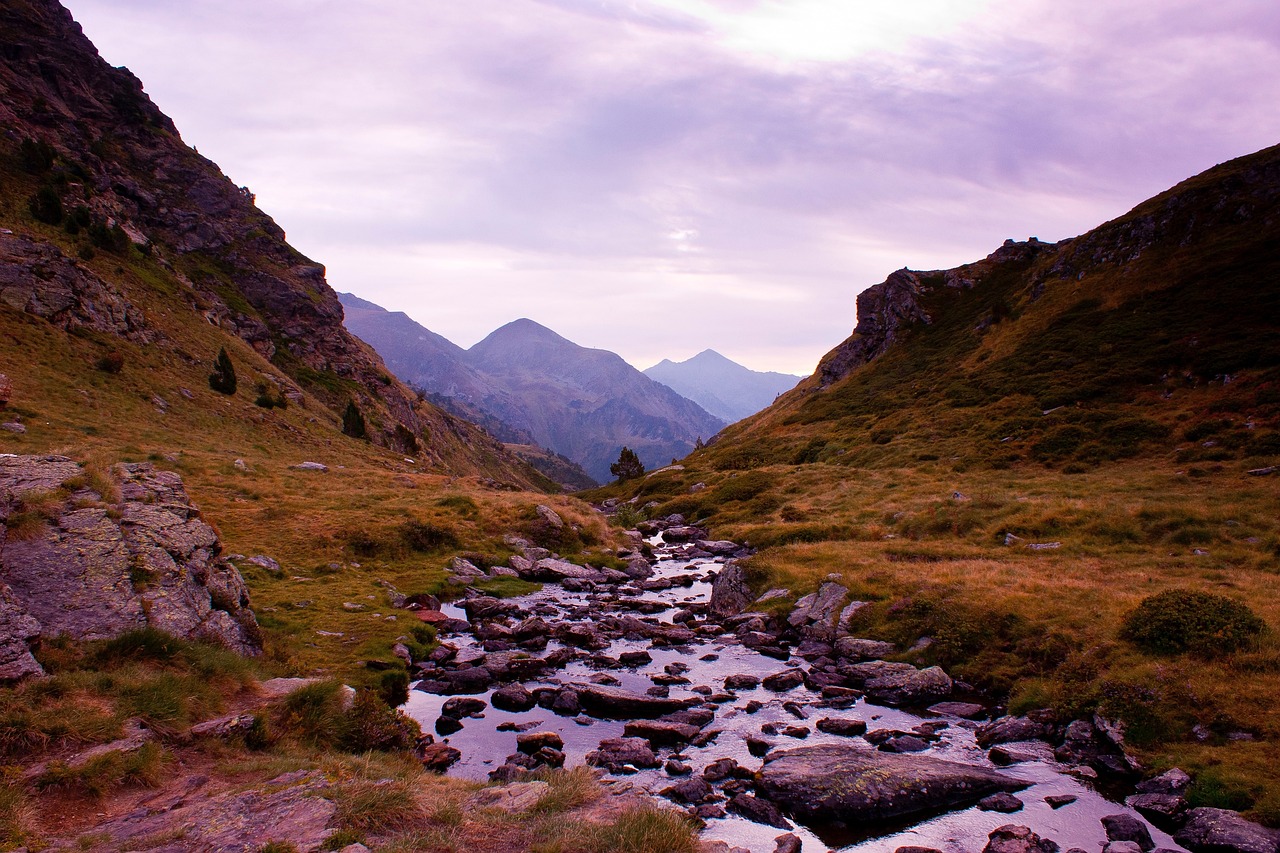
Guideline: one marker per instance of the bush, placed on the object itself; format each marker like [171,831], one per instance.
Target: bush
[353,422]
[37,155]
[223,378]
[313,715]
[424,536]
[1181,620]
[112,362]
[46,206]
[372,724]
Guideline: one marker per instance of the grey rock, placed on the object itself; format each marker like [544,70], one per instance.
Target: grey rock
[513,798]
[1126,827]
[223,728]
[1008,730]
[310,466]
[910,686]
[1002,802]
[857,649]
[730,594]
[615,703]
[1122,847]
[758,810]
[616,753]
[817,783]
[1174,781]
[93,574]
[550,516]
[1221,831]
[964,710]
[815,614]
[1166,807]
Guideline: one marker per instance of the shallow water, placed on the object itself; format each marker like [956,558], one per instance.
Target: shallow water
[484,748]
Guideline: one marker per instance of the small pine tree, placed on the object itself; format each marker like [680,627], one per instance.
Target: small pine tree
[628,466]
[353,422]
[223,378]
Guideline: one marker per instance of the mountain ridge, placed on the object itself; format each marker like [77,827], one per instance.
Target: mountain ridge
[720,385]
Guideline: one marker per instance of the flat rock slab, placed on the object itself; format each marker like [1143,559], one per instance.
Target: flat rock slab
[516,797]
[853,784]
[616,703]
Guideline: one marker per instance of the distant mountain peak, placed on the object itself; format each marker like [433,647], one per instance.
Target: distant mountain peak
[721,385]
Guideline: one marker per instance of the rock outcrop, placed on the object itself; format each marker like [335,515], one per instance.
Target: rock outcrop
[76,562]
[857,785]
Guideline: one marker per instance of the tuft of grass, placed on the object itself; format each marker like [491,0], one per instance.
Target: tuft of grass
[17,816]
[143,767]
[568,790]
[377,807]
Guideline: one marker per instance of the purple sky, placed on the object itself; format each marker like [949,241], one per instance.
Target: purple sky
[656,177]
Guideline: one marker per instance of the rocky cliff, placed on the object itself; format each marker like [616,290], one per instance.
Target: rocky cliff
[79,563]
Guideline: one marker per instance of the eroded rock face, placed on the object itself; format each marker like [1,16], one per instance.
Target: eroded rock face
[854,784]
[74,564]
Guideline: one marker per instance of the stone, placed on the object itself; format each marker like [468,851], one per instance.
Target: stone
[1122,847]
[618,704]
[741,682]
[550,516]
[1209,830]
[310,466]
[223,728]
[856,649]
[695,790]
[1126,827]
[853,784]
[661,733]
[462,706]
[1057,801]
[464,569]
[439,757]
[1002,802]
[13,427]
[815,614]
[447,725]
[1017,839]
[758,810]
[1019,752]
[730,594]
[513,697]
[615,753]
[512,798]
[1174,781]
[1158,807]
[94,573]
[963,710]
[842,726]
[1008,730]
[914,687]
[788,843]
[780,682]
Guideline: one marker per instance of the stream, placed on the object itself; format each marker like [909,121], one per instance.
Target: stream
[709,660]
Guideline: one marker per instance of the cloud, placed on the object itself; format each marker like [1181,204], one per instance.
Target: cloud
[662,176]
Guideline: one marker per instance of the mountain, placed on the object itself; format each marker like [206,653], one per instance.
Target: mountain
[723,387]
[1024,465]
[123,246]
[528,385]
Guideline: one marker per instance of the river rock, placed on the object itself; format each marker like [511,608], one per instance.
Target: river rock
[781,682]
[513,697]
[841,726]
[758,810]
[1174,781]
[462,706]
[909,686]
[551,569]
[815,614]
[1020,752]
[730,594]
[683,533]
[1017,839]
[1003,802]
[531,742]
[788,843]
[853,784]
[661,733]
[618,704]
[439,757]
[1221,831]
[1158,807]
[694,790]
[1126,827]
[741,681]
[857,650]
[1008,730]
[616,753]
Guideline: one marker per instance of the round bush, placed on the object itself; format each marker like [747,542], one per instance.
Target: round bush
[1181,620]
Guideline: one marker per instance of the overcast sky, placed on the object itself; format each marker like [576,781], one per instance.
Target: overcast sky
[656,177]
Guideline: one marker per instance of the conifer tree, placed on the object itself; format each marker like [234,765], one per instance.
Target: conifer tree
[353,422]
[223,378]
[628,466]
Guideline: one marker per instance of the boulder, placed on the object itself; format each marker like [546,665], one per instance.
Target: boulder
[513,697]
[758,810]
[94,571]
[815,614]
[695,790]
[616,753]
[1126,827]
[914,687]
[618,704]
[781,682]
[1222,831]
[558,571]
[439,757]
[531,742]
[1008,730]
[730,594]
[512,798]
[1017,839]
[853,784]
[462,706]
[1003,802]
[661,733]
[841,726]
[549,516]
[856,649]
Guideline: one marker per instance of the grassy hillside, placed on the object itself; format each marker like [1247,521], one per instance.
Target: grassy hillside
[1104,398]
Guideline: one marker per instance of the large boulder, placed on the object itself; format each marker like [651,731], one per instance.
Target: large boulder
[90,567]
[618,704]
[815,614]
[1223,831]
[1011,838]
[730,594]
[854,785]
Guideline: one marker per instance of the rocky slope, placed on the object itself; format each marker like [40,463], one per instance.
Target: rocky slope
[723,387]
[115,226]
[526,384]
[78,563]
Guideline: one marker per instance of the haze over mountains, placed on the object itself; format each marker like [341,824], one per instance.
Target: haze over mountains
[723,387]
[526,384]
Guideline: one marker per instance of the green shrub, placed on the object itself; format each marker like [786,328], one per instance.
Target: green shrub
[46,206]
[744,487]
[393,686]
[112,362]
[353,424]
[424,536]
[223,377]
[372,725]
[1182,620]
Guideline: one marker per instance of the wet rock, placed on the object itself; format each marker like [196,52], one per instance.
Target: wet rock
[677,768]
[1019,752]
[618,704]
[439,757]
[616,753]
[842,726]
[1057,801]
[513,697]
[917,850]
[532,628]
[796,710]
[720,769]
[963,710]
[741,681]
[857,650]
[797,732]
[531,742]
[683,533]
[1122,847]
[1017,839]
[758,746]
[448,725]
[1125,827]
[760,811]
[1174,781]
[730,594]
[1166,808]
[638,658]
[1008,730]
[694,790]
[567,702]
[1221,831]
[560,571]
[1002,802]
[788,843]
[459,707]
[853,784]
[471,680]
[780,682]
[660,733]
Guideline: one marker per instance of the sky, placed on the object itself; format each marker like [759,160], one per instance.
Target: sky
[658,177]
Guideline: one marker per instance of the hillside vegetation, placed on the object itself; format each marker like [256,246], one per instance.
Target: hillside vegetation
[1008,457]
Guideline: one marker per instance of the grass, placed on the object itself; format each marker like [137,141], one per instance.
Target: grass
[105,774]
